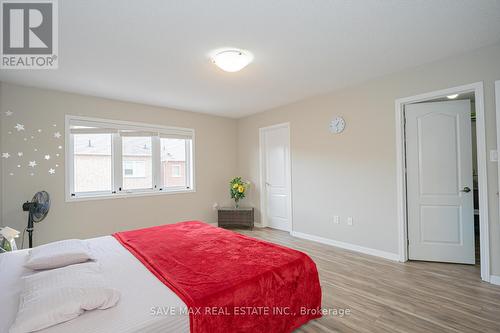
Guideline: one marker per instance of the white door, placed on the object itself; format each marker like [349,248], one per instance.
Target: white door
[275,154]
[439,182]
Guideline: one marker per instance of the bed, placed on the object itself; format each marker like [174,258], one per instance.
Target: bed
[130,261]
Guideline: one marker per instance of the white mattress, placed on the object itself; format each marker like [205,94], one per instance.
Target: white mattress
[140,292]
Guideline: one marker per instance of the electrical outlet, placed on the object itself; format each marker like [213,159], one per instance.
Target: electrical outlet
[349,220]
[336,219]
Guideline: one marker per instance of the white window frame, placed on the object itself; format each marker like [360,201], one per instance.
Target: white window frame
[117,163]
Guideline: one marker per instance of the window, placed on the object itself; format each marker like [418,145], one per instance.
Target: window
[176,171]
[173,162]
[92,153]
[108,158]
[134,169]
[137,155]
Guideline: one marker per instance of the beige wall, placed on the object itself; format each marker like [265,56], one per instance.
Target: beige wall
[41,109]
[354,174]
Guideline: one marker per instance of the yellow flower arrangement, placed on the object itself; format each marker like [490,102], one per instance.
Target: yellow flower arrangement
[237,189]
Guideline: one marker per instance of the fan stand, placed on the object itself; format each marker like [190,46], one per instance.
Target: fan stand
[30,228]
[29,207]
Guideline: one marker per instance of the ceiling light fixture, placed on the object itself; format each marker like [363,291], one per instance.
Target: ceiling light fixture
[232,60]
[452,96]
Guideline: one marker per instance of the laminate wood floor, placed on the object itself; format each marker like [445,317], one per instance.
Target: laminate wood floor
[387,296]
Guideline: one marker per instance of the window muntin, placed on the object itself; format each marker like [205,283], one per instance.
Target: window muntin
[134,155]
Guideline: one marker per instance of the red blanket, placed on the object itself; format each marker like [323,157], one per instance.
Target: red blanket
[229,282]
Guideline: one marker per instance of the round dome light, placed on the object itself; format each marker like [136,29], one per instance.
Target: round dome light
[232,60]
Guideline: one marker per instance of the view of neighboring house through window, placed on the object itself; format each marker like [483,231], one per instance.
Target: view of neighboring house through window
[134,169]
[108,158]
[176,170]
[137,163]
[92,162]
[173,162]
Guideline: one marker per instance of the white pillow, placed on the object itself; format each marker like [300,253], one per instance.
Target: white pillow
[55,296]
[58,254]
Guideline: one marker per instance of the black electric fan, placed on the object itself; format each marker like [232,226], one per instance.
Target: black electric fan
[37,209]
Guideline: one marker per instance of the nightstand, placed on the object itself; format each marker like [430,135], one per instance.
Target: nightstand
[235,217]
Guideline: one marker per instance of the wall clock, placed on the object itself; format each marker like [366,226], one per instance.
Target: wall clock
[337,125]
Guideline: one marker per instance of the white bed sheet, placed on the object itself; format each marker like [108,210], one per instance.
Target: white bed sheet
[140,292]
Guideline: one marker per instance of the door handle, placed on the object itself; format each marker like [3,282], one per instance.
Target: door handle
[466,189]
[267,184]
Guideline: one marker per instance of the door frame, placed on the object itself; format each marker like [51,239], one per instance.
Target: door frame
[497,105]
[262,181]
[482,161]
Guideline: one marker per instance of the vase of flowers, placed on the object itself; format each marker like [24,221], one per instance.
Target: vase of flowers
[238,189]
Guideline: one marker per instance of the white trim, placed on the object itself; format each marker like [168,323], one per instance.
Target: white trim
[262,179]
[347,246]
[124,195]
[132,125]
[69,159]
[156,162]
[478,90]
[495,279]
[116,163]
[497,105]
[263,217]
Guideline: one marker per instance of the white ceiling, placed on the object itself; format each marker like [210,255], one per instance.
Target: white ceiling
[156,51]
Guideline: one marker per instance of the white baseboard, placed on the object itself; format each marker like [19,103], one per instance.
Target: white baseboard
[495,279]
[347,246]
